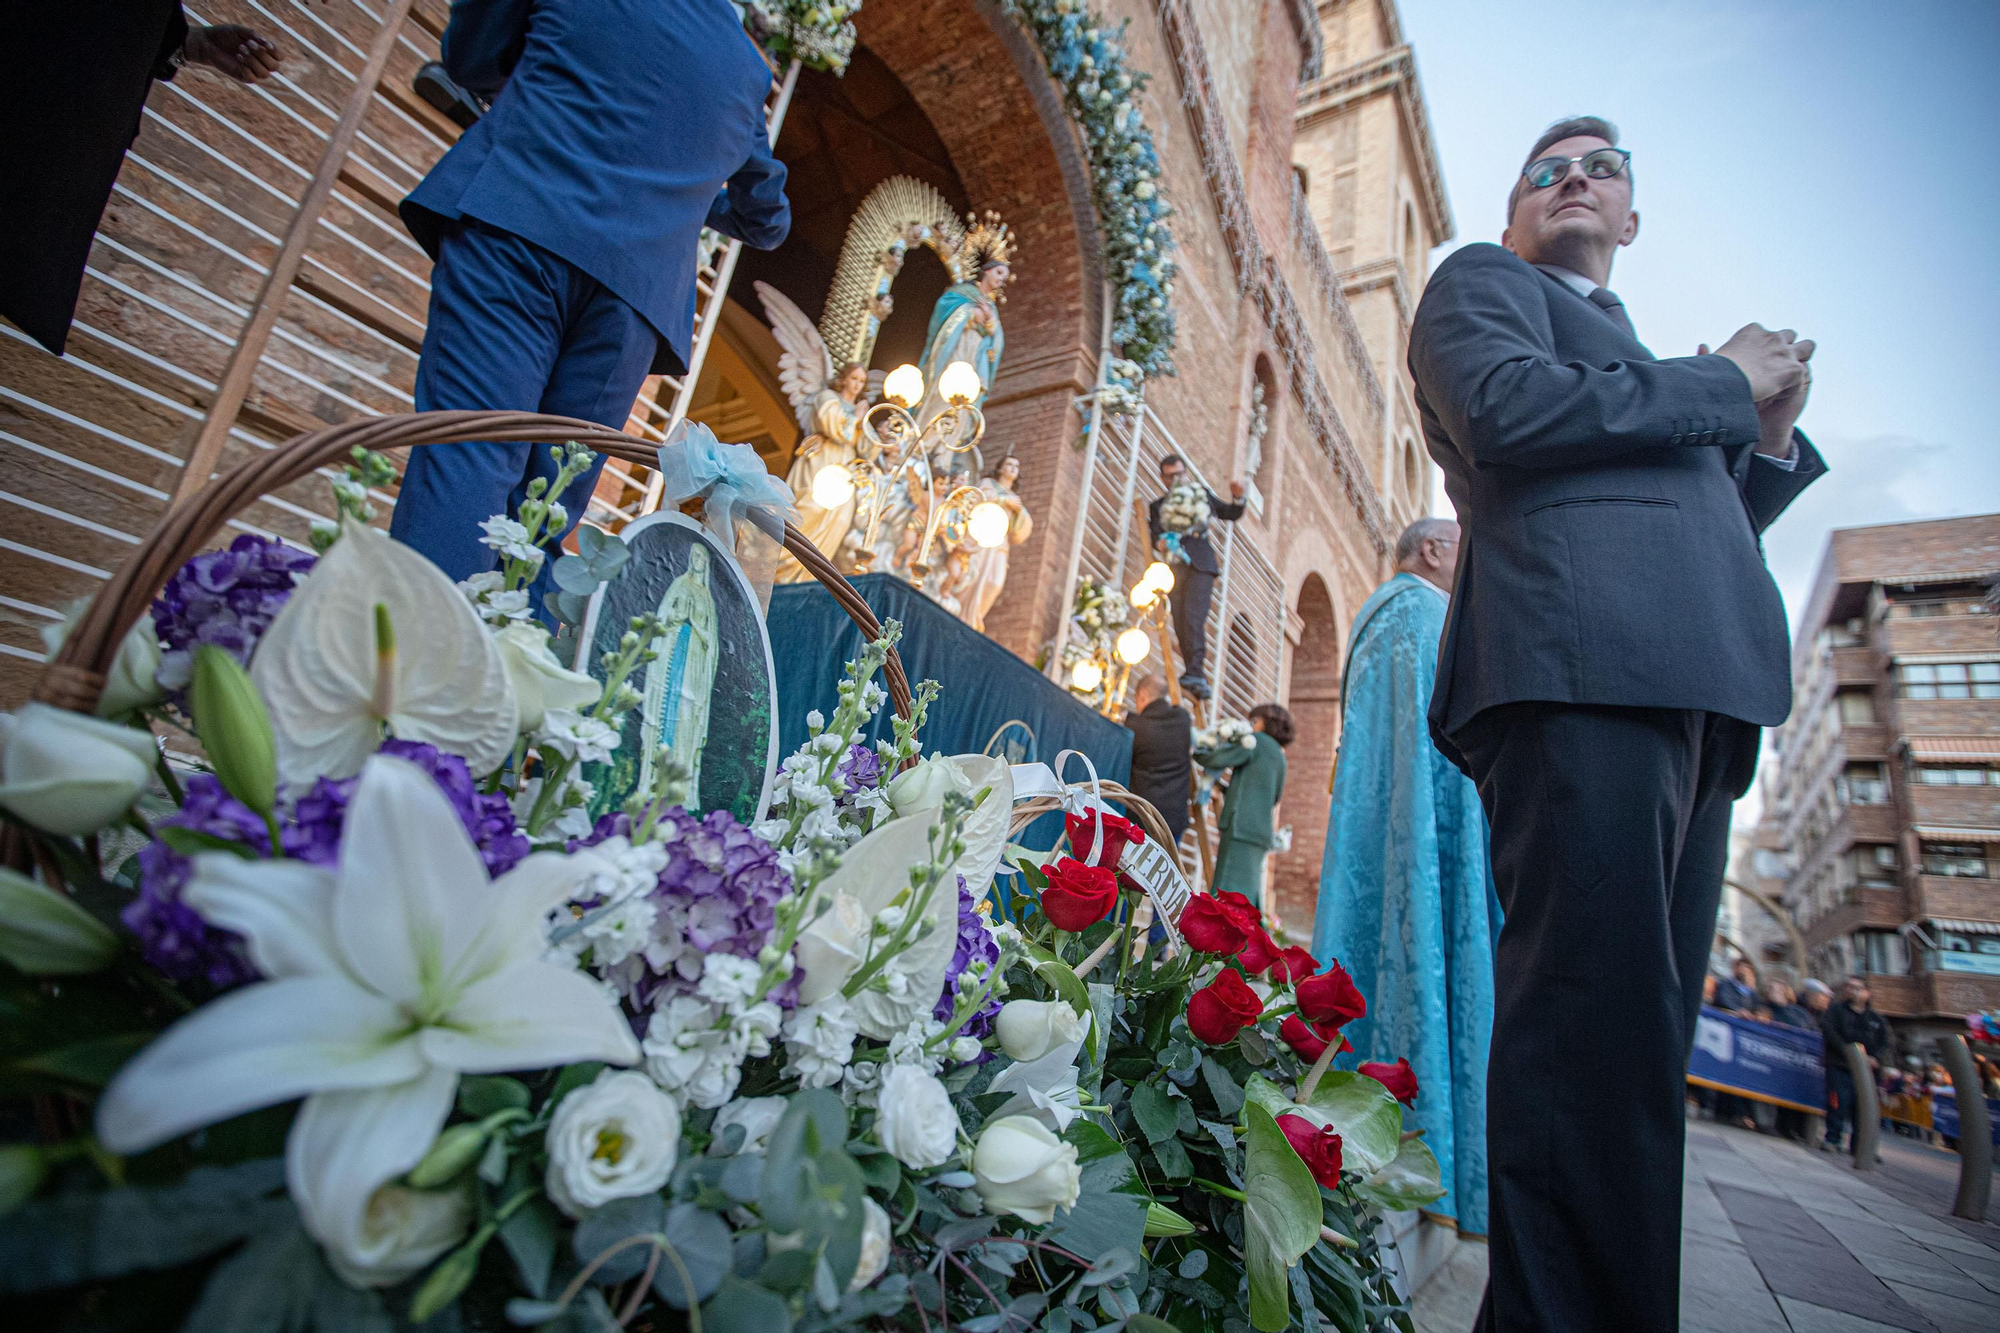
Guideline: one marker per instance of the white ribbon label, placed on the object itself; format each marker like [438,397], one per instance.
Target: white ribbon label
[1153,868]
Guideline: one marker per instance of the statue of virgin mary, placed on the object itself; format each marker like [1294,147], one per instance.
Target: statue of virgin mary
[678,681]
[965,323]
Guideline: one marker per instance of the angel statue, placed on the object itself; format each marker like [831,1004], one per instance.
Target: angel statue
[986,572]
[965,323]
[828,403]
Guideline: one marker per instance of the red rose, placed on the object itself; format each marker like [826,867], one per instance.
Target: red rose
[1294,965]
[1241,909]
[1258,955]
[1077,895]
[1317,1146]
[1399,1079]
[1330,997]
[1117,832]
[1296,1034]
[1223,1008]
[1210,927]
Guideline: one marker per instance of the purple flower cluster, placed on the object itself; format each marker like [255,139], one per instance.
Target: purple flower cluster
[718,893]
[861,770]
[227,598]
[173,936]
[975,945]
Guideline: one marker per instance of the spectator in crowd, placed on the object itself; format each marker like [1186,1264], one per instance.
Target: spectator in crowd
[1194,579]
[79,72]
[564,225]
[1785,1007]
[1249,808]
[1814,998]
[1162,752]
[1405,900]
[1738,992]
[1849,1022]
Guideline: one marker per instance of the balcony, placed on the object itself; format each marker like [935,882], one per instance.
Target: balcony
[1873,823]
[1955,898]
[1899,997]
[1863,908]
[1864,743]
[1860,665]
[1955,807]
[1939,634]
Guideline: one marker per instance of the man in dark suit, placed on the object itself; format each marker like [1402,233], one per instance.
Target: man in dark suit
[564,225]
[1194,581]
[1162,752]
[1613,646]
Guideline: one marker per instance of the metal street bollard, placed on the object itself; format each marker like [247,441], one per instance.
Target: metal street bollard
[1867,1110]
[1975,1133]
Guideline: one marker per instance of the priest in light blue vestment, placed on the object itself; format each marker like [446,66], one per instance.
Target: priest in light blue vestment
[1406,902]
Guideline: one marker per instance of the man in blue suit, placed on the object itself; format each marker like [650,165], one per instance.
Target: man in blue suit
[564,225]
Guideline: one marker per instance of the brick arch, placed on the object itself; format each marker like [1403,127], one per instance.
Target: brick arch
[1314,700]
[980,81]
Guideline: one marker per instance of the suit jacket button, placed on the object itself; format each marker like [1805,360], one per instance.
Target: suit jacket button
[1673,439]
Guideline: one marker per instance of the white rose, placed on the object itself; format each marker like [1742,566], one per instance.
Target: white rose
[758,1116]
[916,1123]
[68,773]
[829,950]
[611,1139]
[924,785]
[874,1245]
[133,681]
[1020,1167]
[540,681]
[1030,1029]
[401,1232]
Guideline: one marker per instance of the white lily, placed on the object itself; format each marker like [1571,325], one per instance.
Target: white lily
[387,979]
[331,681]
[1045,1087]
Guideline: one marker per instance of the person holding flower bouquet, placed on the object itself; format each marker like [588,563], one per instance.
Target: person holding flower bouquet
[1256,784]
[1178,523]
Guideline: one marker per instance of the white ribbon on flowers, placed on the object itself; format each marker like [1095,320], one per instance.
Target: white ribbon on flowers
[730,480]
[1149,865]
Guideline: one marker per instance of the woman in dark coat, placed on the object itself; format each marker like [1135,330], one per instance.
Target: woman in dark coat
[76,84]
[1256,784]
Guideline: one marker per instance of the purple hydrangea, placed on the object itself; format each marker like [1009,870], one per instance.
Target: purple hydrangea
[861,770]
[975,945]
[227,598]
[717,893]
[173,936]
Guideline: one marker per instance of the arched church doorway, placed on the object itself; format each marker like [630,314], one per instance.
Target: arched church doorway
[1315,705]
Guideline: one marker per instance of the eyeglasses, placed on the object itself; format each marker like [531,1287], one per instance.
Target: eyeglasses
[1600,164]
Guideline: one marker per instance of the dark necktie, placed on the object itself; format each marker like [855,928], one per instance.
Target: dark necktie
[1614,309]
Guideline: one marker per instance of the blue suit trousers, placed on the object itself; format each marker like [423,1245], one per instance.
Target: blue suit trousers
[512,326]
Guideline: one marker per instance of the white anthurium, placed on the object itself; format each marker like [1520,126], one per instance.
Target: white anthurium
[1045,1086]
[829,950]
[132,682]
[540,681]
[386,979]
[872,873]
[69,773]
[985,830]
[377,635]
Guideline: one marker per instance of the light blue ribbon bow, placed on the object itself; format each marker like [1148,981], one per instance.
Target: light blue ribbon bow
[730,480]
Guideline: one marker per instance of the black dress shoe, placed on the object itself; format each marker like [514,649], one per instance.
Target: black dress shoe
[443,92]
[1195,685]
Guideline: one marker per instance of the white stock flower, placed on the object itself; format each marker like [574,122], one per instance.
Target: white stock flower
[964,1050]
[489,597]
[916,1122]
[1030,1029]
[611,1139]
[510,538]
[401,1231]
[133,680]
[819,1041]
[728,981]
[68,773]
[753,1029]
[584,739]
[618,930]
[874,1245]
[388,978]
[758,1116]
[540,681]
[829,950]
[1019,1167]
[330,691]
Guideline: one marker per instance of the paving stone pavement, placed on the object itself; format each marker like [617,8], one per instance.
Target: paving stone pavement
[1776,1238]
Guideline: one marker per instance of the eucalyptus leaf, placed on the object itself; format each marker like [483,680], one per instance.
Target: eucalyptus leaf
[702,1242]
[1145,1323]
[1222,1086]
[1154,1112]
[530,1236]
[603,1228]
[1110,1211]
[1281,1217]
[745,1307]
[1193,1264]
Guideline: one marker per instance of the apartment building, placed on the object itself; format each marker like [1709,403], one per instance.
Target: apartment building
[1881,795]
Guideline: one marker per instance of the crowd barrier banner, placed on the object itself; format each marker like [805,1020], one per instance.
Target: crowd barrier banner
[1944,1114]
[1765,1062]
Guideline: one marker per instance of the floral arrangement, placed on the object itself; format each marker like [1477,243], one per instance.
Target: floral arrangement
[1087,59]
[1184,512]
[1206,742]
[1098,613]
[361,1022]
[817,33]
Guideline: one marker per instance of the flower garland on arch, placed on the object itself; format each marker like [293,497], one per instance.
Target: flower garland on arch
[819,34]
[1087,59]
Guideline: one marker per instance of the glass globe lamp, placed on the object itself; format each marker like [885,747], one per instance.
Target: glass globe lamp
[1160,575]
[905,385]
[959,384]
[833,486]
[1133,646]
[1086,675]
[988,524]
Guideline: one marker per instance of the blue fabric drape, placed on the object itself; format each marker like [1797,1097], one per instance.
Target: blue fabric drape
[1406,901]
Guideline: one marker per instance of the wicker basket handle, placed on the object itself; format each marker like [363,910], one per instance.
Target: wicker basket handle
[74,677]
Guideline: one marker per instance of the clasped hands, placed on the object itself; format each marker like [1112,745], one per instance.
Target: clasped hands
[1777,365]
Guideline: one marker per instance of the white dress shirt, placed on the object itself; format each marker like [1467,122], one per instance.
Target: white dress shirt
[1584,286]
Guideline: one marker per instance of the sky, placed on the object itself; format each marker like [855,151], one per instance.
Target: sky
[1823,165]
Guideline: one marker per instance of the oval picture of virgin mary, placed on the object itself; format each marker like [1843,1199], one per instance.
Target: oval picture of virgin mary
[708,699]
